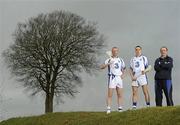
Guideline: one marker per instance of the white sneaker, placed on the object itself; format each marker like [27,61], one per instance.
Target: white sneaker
[147,106]
[133,107]
[120,110]
[108,111]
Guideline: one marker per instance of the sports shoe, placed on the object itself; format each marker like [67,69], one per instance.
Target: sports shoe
[147,106]
[108,111]
[134,107]
[120,109]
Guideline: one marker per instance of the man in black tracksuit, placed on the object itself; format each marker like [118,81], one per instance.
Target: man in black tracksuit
[163,81]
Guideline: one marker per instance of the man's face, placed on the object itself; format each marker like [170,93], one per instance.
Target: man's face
[164,52]
[138,51]
[115,52]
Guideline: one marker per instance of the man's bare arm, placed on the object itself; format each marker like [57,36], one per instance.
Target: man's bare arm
[132,74]
[123,73]
[103,66]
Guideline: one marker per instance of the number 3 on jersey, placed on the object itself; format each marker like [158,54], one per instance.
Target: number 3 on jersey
[116,66]
[137,64]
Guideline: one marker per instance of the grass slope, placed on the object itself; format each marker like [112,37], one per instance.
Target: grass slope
[148,116]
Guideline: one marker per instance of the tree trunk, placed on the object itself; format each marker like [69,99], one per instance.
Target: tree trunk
[49,103]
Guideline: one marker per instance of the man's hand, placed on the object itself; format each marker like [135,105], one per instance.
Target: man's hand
[134,78]
[103,66]
[143,72]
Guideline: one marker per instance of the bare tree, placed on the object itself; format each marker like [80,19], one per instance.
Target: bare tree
[49,52]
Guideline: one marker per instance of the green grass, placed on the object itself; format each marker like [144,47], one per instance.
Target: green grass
[147,116]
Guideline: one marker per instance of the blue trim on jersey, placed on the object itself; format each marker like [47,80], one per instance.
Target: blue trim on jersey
[109,72]
[110,77]
[122,64]
[145,66]
[138,82]
[113,76]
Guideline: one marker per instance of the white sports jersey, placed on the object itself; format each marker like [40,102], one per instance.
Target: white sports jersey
[116,66]
[138,64]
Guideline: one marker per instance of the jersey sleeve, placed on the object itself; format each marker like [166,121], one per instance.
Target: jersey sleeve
[106,62]
[131,64]
[123,66]
[146,63]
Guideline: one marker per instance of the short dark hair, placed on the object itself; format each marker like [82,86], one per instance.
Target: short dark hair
[138,47]
[114,47]
[164,47]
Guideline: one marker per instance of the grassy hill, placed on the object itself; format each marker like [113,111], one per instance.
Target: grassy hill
[148,116]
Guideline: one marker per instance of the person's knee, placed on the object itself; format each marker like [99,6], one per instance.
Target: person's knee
[134,93]
[119,96]
[146,93]
[145,90]
[109,95]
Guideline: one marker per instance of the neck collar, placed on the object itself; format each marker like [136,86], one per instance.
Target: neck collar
[138,56]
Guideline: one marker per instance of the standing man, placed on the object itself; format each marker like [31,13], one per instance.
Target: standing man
[116,68]
[137,66]
[163,83]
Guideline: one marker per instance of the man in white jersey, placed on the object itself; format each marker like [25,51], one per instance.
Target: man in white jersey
[116,68]
[137,66]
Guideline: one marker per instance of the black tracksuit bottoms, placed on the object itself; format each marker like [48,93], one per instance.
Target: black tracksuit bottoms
[166,87]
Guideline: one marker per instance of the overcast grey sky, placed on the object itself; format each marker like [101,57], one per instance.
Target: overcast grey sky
[125,23]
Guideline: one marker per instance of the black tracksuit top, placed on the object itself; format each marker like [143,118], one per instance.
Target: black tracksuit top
[163,68]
